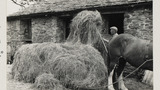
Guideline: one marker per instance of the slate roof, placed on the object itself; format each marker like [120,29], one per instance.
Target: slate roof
[71,5]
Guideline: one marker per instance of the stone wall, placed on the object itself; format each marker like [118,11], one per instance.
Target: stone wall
[14,38]
[13,28]
[47,29]
[139,23]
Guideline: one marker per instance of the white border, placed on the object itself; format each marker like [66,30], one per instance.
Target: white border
[3,11]
[156,43]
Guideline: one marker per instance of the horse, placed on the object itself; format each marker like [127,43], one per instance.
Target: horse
[127,48]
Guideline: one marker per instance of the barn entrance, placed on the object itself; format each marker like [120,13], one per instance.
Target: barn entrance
[110,20]
[25,27]
[67,21]
[114,20]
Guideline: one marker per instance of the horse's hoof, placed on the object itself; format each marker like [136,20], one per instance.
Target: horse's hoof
[124,88]
[111,89]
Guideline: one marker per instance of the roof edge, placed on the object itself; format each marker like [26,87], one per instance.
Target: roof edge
[72,12]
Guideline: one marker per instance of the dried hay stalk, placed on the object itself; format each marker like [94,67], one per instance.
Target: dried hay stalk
[72,65]
[48,82]
[85,27]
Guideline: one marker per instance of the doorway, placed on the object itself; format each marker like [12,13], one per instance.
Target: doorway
[114,20]
[25,27]
[67,21]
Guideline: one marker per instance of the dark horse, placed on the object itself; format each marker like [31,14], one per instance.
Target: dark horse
[127,48]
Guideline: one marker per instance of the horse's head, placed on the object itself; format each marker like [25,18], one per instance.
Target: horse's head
[85,27]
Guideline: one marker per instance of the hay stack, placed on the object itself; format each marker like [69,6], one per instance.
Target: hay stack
[73,65]
[85,28]
[76,64]
[48,82]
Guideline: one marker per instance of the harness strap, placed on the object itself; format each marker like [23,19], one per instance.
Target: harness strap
[103,42]
[106,40]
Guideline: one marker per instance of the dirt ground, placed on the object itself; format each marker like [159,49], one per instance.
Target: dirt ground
[131,83]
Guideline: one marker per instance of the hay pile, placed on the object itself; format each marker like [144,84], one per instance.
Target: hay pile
[48,82]
[85,28]
[73,65]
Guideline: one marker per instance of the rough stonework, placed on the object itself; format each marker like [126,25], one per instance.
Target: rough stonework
[14,39]
[139,23]
[70,5]
[47,29]
[13,28]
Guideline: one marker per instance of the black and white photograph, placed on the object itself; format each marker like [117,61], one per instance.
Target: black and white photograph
[79,45]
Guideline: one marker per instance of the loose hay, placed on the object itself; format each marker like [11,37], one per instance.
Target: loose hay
[85,27]
[48,82]
[73,65]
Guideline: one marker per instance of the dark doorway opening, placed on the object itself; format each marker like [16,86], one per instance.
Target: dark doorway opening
[67,21]
[25,26]
[115,19]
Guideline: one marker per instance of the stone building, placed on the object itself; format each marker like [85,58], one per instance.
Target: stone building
[49,21]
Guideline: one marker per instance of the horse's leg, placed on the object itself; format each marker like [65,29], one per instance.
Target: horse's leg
[121,83]
[118,75]
[113,60]
[110,81]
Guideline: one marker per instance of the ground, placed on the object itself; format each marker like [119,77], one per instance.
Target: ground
[131,83]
